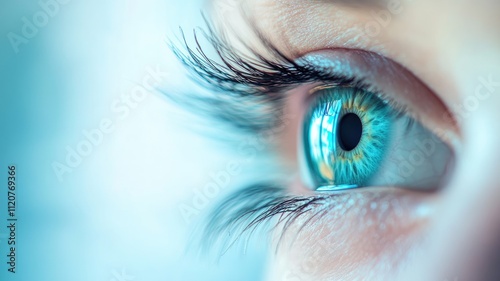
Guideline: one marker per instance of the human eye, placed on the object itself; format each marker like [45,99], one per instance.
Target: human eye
[360,140]
[354,137]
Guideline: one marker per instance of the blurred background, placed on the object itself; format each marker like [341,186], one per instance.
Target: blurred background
[104,161]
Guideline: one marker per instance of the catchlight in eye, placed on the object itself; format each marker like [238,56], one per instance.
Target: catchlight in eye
[353,138]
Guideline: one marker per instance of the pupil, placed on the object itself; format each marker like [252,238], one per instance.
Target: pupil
[349,131]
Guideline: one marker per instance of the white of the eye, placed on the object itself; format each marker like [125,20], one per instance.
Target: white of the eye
[415,158]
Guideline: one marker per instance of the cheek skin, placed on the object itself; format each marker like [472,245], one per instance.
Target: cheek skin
[371,231]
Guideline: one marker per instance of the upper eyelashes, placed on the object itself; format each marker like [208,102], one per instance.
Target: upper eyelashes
[243,83]
[238,73]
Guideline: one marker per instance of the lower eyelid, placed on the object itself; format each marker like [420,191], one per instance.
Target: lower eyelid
[358,219]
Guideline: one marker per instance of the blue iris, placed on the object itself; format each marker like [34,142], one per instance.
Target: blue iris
[345,136]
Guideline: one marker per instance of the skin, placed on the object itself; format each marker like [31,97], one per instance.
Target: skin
[449,234]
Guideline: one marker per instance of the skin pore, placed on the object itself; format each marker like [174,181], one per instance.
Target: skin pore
[453,50]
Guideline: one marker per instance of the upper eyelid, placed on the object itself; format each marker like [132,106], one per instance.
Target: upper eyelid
[396,82]
[304,35]
[364,81]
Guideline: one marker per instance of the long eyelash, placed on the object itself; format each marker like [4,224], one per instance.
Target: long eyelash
[243,83]
[244,74]
[245,211]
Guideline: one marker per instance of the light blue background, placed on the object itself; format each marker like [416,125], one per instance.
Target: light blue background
[117,211]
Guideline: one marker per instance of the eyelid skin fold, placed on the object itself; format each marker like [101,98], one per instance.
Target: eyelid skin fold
[394,81]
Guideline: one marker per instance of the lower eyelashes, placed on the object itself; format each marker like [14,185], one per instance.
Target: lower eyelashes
[348,134]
